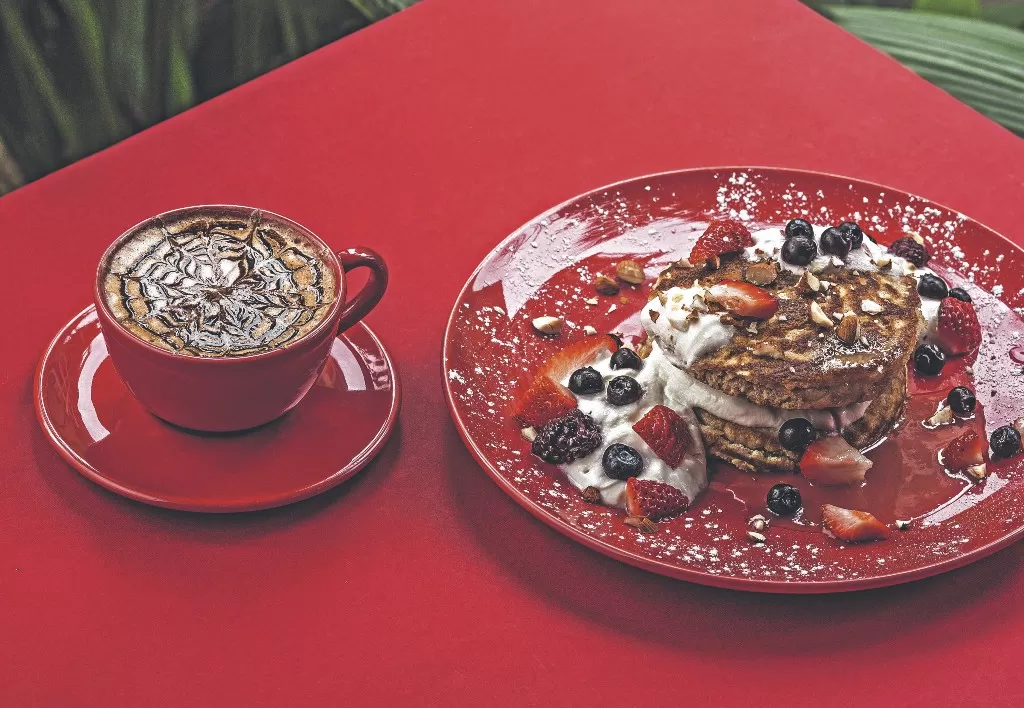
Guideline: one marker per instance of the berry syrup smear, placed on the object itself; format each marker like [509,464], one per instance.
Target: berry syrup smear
[645,221]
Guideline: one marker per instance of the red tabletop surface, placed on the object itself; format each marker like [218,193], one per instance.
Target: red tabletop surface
[429,137]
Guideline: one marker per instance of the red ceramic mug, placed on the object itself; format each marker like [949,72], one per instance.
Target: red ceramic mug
[236,392]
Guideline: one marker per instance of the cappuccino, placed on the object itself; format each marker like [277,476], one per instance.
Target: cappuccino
[216,284]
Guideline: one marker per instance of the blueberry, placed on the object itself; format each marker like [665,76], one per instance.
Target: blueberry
[962,400]
[623,390]
[586,380]
[799,227]
[784,499]
[932,286]
[836,242]
[960,294]
[1005,441]
[929,359]
[799,250]
[852,230]
[622,462]
[796,434]
[626,358]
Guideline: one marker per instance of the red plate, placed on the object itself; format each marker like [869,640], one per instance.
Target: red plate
[93,421]
[545,268]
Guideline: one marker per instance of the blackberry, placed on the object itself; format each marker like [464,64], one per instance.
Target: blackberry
[1005,441]
[626,358]
[784,499]
[586,380]
[622,462]
[960,294]
[799,250]
[909,249]
[799,228]
[852,230]
[796,434]
[568,438]
[623,390]
[962,401]
[932,286]
[929,359]
[836,242]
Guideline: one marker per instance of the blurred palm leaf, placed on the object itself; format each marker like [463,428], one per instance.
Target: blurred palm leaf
[81,74]
[979,62]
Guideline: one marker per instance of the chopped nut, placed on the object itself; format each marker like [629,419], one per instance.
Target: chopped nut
[684,263]
[849,328]
[692,317]
[783,318]
[977,472]
[819,317]
[756,537]
[837,261]
[763,273]
[837,316]
[863,340]
[663,299]
[605,285]
[629,272]
[902,525]
[944,416]
[758,523]
[529,434]
[591,301]
[767,350]
[642,524]
[698,303]
[757,517]
[654,315]
[644,348]
[917,237]
[591,495]
[752,328]
[589,330]
[870,306]
[1018,425]
[808,284]
[624,300]
[730,320]
[884,261]
[825,285]
[713,263]
[548,325]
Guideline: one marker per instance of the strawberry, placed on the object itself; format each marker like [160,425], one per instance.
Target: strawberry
[721,236]
[959,331]
[655,500]
[965,451]
[833,461]
[544,401]
[852,526]
[666,433]
[545,398]
[744,299]
[576,355]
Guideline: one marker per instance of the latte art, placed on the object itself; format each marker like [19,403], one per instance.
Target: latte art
[214,285]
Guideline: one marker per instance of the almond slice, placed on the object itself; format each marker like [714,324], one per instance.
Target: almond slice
[548,325]
[819,317]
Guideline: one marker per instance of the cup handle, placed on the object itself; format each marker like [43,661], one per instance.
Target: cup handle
[367,298]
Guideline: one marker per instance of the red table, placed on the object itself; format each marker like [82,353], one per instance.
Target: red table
[430,137]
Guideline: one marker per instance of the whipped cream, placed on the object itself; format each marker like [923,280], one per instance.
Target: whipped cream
[616,423]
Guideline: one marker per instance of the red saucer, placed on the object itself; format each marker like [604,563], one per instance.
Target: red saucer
[97,426]
[546,268]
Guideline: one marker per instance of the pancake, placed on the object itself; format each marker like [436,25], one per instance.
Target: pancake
[789,361]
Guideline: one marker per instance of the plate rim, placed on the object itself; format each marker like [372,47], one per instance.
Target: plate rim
[795,587]
[354,466]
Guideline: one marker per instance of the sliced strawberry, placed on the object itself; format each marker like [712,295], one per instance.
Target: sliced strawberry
[965,451]
[666,433]
[958,328]
[576,355]
[833,461]
[655,500]
[542,402]
[852,526]
[721,236]
[744,299]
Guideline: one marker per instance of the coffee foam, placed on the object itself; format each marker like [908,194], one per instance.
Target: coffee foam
[218,283]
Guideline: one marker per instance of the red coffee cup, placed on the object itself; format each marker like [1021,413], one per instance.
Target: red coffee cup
[232,393]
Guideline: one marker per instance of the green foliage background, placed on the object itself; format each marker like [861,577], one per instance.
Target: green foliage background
[78,75]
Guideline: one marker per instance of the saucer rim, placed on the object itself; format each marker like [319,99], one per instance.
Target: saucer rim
[356,464]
